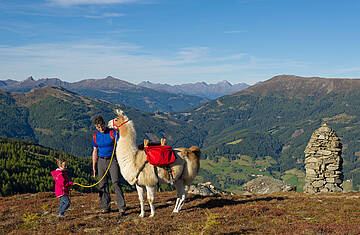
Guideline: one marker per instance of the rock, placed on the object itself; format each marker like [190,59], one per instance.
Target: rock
[333,187]
[206,190]
[324,190]
[266,184]
[310,171]
[201,190]
[318,183]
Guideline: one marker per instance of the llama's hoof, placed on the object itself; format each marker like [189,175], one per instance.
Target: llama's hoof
[175,211]
[152,215]
[141,215]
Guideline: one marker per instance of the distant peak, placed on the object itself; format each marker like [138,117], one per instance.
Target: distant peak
[30,79]
[198,83]
[284,76]
[225,82]
[109,77]
[145,82]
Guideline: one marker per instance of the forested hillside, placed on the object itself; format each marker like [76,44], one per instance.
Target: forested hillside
[57,118]
[272,123]
[25,167]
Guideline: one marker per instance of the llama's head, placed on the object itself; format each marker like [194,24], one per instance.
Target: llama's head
[120,120]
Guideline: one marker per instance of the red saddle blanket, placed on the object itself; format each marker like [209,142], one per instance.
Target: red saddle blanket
[160,155]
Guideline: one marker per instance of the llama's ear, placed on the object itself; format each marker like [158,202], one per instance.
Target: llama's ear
[118,112]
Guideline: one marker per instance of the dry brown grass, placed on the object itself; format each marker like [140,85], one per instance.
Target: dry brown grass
[281,213]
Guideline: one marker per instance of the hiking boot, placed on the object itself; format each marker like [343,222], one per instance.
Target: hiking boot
[60,216]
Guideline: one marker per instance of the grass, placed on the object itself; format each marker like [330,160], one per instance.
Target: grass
[235,142]
[278,213]
[229,175]
[294,177]
[244,169]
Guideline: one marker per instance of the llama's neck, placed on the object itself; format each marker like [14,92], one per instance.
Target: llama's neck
[125,153]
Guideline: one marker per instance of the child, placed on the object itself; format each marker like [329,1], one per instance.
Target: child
[62,186]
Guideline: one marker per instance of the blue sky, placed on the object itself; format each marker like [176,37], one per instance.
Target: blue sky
[179,41]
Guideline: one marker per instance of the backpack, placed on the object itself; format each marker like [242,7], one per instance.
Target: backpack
[160,155]
[111,135]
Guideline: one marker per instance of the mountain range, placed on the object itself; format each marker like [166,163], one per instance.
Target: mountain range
[114,90]
[202,89]
[261,130]
[146,96]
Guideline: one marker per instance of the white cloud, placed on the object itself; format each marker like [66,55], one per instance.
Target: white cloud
[76,61]
[192,54]
[89,2]
[104,15]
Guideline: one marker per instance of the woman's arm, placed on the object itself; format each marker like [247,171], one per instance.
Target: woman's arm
[95,157]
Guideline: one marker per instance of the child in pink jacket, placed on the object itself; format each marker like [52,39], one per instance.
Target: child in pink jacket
[62,186]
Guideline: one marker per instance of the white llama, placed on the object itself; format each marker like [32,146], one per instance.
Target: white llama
[131,160]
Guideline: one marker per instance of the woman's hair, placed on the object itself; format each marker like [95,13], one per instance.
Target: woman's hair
[99,121]
[59,161]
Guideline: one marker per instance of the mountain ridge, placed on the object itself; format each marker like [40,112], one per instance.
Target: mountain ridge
[210,91]
[114,90]
[296,86]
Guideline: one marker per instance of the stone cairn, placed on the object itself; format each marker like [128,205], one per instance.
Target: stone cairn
[323,162]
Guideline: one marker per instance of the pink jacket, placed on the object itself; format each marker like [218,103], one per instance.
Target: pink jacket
[62,183]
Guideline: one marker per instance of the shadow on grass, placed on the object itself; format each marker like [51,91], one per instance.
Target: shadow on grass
[169,203]
[242,231]
[220,202]
[213,202]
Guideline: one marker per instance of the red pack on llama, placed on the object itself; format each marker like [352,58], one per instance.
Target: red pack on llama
[159,155]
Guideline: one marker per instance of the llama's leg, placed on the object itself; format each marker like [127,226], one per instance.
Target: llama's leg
[183,197]
[150,197]
[180,195]
[181,202]
[176,204]
[140,191]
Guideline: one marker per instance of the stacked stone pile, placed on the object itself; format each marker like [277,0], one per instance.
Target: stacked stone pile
[323,162]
